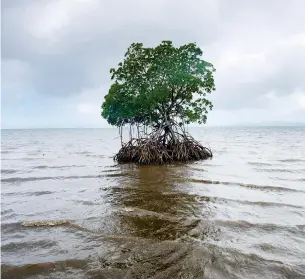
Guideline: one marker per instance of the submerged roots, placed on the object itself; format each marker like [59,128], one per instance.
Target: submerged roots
[160,148]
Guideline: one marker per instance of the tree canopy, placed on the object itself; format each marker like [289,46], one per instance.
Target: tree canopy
[153,85]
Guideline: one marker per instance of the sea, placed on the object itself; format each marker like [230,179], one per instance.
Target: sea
[69,211]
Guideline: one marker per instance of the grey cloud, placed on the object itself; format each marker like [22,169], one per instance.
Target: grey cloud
[79,54]
[282,73]
[84,51]
[263,19]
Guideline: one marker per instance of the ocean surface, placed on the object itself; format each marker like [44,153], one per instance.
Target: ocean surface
[239,215]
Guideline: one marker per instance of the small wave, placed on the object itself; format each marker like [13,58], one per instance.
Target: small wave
[260,164]
[27,159]
[301,227]
[95,155]
[7,214]
[13,246]
[134,211]
[9,228]
[273,204]
[6,171]
[245,202]
[116,174]
[12,271]
[267,247]
[41,167]
[287,179]
[253,186]
[280,170]
[54,223]
[211,165]
[292,160]
[112,166]
[245,257]
[271,188]
[263,226]
[27,179]
[37,193]
[82,190]
[7,211]
[83,152]
[35,153]
[57,167]
[86,202]
[198,169]
[110,170]
[13,147]
[10,194]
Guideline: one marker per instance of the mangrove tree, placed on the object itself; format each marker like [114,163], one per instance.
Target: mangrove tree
[156,92]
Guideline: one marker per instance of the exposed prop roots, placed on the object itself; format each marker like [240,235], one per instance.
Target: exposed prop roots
[162,148]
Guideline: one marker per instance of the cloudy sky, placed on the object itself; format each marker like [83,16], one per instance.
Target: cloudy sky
[56,56]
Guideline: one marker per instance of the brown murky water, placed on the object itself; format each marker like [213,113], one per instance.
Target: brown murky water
[68,211]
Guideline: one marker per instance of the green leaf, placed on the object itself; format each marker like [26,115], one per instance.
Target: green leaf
[152,84]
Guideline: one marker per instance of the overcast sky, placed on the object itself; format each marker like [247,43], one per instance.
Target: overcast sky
[56,56]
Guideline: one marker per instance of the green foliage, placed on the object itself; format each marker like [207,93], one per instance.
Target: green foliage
[153,85]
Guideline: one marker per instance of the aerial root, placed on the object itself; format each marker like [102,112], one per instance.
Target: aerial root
[160,148]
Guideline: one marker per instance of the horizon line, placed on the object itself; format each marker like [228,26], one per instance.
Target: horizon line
[201,126]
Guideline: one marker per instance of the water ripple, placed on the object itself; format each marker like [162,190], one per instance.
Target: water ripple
[68,211]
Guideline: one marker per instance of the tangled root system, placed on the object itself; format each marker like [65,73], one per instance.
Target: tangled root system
[162,148]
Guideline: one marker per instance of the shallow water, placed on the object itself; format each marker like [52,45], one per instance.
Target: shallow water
[238,215]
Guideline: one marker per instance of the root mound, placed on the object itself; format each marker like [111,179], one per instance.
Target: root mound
[162,149]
